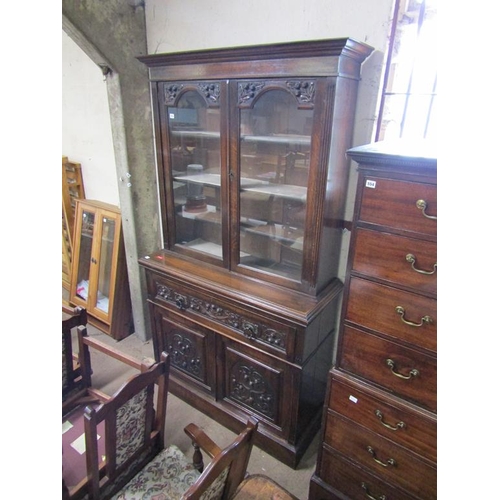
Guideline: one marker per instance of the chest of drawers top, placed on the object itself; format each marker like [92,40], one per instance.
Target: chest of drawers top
[417,157]
[397,193]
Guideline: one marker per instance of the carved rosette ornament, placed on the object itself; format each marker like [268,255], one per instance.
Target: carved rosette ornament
[251,330]
[249,387]
[211,92]
[172,91]
[302,90]
[248,90]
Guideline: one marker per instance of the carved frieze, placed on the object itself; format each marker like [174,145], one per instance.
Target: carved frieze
[209,90]
[303,90]
[250,329]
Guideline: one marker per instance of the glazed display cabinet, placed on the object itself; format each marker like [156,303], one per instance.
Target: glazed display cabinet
[99,280]
[252,178]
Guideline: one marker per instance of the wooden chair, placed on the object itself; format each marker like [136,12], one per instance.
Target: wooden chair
[170,475]
[130,428]
[73,386]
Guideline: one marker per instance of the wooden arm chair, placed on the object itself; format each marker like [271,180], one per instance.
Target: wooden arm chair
[107,439]
[171,475]
[73,385]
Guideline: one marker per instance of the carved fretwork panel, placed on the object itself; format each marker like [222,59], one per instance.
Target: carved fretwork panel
[253,385]
[303,90]
[189,350]
[250,328]
[209,90]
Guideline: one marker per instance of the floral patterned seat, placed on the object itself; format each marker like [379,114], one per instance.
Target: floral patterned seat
[171,476]
[168,475]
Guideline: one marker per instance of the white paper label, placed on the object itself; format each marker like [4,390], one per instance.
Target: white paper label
[353,399]
[370,184]
[171,116]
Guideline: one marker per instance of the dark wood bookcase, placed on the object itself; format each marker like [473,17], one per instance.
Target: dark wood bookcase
[252,176]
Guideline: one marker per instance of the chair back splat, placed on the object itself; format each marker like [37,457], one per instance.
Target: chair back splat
[134,431]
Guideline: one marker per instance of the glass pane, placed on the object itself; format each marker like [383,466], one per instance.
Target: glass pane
[84,259]
[196,167]
[275,147]
[105,264]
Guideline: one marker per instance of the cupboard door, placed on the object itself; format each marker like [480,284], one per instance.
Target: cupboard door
[191,114]
[85,226]
[190,346]
[255,383]
[96,257]
[106,255]
[275,157]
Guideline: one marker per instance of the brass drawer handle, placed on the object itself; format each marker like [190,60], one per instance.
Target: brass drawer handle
[387,463]
[369,495]
[397,427]
[412,259]
[401,311]
[422,205]
[413,373]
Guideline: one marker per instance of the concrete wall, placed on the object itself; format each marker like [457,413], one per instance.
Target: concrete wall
[113,34]
[86,131]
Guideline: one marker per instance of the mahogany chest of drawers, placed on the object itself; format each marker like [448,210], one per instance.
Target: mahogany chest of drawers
[379,430]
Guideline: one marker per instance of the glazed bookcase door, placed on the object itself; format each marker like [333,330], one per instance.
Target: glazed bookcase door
[105,265]
[95,258]
[194,182]
[86,225]
[275,156]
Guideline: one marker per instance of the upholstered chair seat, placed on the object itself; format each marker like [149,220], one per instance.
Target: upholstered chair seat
[167,476]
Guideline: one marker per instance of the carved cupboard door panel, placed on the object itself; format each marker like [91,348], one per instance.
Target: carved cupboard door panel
[253,381]
[191,348]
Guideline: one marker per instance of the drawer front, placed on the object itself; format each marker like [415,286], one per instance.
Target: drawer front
[396,260]
[271,336]
[402,315]
[386,416]
[255,383]
[191,349]
[392,463]
[354,481]
[401,370]
[400,204]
